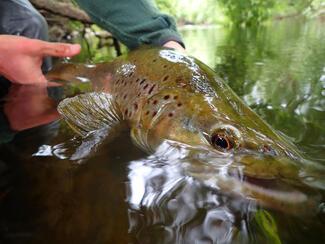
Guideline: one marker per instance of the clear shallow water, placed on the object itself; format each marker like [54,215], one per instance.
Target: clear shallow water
[53,192]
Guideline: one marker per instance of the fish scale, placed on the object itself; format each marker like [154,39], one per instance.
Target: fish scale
[134,86]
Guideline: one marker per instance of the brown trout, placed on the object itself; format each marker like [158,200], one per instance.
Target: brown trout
[164,96]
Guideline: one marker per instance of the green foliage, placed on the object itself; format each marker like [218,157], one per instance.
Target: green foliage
[166,6]
[247,12]
[192,11]
[238,12]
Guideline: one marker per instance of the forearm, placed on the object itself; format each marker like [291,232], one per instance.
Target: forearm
[133,22]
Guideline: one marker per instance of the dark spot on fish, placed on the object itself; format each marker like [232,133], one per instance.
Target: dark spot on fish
[166,97]
[131,73]
[154,60]
[145,87]
[179,104]
[175,97]
[135,106]
[125,96]
[126,112]
[139,94]
[178,79]
[154,102]
[154,113]
[147,112]
[130,113]
[117,81]
[165,66]
[165,78]
[151,89]
[137,80]
[170,115]
[142,81]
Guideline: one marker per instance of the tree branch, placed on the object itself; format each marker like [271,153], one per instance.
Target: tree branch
[63,9]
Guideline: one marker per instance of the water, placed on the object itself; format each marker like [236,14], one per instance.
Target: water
[56,188]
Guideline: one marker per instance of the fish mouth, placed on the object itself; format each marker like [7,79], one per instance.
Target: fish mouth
[249,164]
[275,182]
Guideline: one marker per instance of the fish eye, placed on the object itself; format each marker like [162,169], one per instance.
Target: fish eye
[221,141]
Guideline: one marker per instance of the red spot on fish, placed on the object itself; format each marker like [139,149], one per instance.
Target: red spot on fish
[266,148]
[170,115]
[154,113]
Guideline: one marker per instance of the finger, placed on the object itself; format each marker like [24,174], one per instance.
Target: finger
[60,49]
[175,45]
[38,80]
[53,84]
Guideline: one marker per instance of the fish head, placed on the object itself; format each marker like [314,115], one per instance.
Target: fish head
[231,126]
[218,124]
[201,110]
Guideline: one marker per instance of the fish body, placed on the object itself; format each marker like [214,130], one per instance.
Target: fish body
[164,96]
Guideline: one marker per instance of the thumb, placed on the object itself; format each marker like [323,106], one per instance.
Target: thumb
[60,49]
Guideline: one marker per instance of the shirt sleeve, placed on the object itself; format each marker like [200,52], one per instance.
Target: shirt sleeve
[133,22]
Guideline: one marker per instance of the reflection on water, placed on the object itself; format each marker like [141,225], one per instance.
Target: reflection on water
[279,71]
[51,191]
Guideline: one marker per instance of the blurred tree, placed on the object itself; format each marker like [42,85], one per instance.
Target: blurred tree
[247,12]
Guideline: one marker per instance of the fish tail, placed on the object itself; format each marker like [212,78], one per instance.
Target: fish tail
[71,72]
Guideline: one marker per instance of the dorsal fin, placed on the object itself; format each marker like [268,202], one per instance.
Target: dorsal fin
[90,111]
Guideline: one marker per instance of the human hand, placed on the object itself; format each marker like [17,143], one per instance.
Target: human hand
[29,106]
[21,58]
[175,45]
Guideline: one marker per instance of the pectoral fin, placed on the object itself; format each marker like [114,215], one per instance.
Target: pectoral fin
[89,112]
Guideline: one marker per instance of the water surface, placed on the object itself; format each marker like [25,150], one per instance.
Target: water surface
[57,188]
